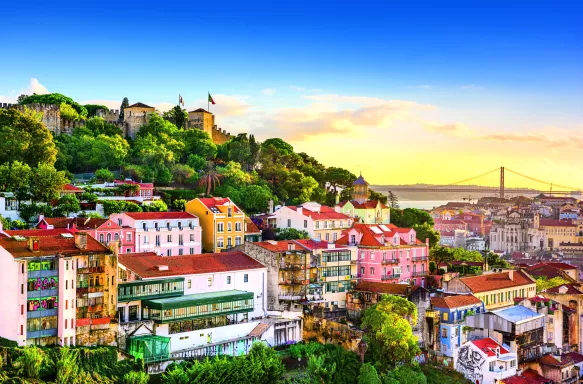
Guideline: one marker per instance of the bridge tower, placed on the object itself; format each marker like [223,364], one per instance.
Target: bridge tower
[501,182]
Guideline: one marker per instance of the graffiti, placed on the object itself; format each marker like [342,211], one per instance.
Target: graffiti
[470,363]
[43,283]
[42,304]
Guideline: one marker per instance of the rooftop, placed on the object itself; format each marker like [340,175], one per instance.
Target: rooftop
[51,242]
[213,202]
[455,301]
[388,288]
[488,346]
[198,299]
[493,281]
[146,265]
[138,105]
[517,314]
[160,215]
[527,377]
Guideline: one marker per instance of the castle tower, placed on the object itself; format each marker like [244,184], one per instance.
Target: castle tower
[201,119]
[135,116]
[360,190]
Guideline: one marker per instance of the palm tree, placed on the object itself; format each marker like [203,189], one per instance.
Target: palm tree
[210,179]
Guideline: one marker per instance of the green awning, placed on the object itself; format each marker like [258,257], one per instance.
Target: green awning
[153,281]
[197,299]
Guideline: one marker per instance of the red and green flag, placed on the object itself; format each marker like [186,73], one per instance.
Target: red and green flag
[210,99]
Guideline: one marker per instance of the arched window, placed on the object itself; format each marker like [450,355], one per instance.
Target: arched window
[116,237]
[108,238]
[101,238]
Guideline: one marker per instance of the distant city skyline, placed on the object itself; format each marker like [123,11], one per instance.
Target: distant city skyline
[406,93]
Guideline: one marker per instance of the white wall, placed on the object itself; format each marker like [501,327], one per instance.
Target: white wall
[11,298]
[297,220]
[67,297]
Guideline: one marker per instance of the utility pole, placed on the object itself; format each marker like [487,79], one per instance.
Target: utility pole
[501,182]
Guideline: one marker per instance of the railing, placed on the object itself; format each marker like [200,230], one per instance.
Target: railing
[419,274]
[391,276]
[95,308]
[290,297]
[390,261]
[294,282]
[420,258]
[90,270]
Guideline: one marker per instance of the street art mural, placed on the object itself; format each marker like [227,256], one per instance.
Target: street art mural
[43,283]
[42,304]
[470,363]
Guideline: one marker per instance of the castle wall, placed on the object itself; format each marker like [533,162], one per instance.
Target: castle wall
[134,118]
[220,136]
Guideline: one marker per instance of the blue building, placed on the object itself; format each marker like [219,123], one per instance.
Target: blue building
[452,312]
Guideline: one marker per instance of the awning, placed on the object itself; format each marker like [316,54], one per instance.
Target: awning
[197,299]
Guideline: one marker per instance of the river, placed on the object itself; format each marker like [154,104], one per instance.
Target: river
[423,204]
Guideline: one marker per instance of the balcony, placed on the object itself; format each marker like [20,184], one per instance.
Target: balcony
[150,289]
[420,258]
[289,297]
[294,282]
[95,308]
[391,276]
[390,261]
[98,269]
[419,274]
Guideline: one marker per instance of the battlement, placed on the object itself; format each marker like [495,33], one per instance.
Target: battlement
[35,106]
[219,136]
[108,115]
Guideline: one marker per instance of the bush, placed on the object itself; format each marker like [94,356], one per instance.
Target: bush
[31,362]
[104,174]
[134,377]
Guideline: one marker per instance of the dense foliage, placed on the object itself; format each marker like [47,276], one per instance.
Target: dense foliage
[58,99]
[417,219]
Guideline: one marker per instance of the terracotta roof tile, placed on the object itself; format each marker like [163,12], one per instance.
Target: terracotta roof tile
[527,377]
[326,213]
[488,346]
[455,301]
[71,188]
[146,264]
[251,227]
[572,289]
[555,361]
[492,281]
[213,202]
[259,330]
[50,243]
[138,105]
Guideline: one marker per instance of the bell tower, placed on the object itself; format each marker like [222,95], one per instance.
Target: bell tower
[360,190]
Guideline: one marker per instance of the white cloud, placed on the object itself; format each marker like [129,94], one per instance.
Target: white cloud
[424,86]
[226,105]
[34,86]
[163,106]
[269,91]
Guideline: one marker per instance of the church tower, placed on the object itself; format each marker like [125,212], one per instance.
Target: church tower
[360,190]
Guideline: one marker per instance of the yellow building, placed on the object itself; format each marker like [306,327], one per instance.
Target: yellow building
[496,290]
[558,231]
[221,220]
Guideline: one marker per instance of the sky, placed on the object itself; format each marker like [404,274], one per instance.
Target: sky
[403,92]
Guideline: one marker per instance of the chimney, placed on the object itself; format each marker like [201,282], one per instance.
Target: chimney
[81,240]
[511,274]
[291,247]
[299,209]
[33,243]
[162,267]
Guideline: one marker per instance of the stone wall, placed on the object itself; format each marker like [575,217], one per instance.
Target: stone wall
[219,136]
[111,115]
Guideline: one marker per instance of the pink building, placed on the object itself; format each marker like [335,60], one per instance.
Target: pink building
[389,254]
[164,233]
[103,230]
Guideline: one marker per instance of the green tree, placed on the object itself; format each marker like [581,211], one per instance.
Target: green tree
[31,362]
[155,206]
[124,104]
[196,162]
[98,126]
[461,254]
[109,151]
[388,330]
[199,143]
[181,173]
[104,174]
[494,261]
[368,375]
[255,198]
[405,374]
[23,138]
[233,174]
[15,177]
[210,179]
[426,231]
[179,204]
[373,195]
[69,113]
[176,116]
[339,177]
[55,98]
[93,108]
[47,182]
[393,200]
[290,234]
[432,267]
[67,204]
[543,283]
[440,254]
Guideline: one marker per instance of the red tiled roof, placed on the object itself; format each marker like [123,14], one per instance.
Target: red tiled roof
[369,204]
[557,223]
[71,188]
[549,270]
[59,222]
[455,301]
[572,289]
[555,361]
[575,356]
[160,215]
[259,330]
[527,377]
[141,185]
[388,288]
[326,213]
[251,227]
[492,281]
[50,243]
[211,202]
[138,105]
[488,346]
[37,232]
[146,264]
[276,246]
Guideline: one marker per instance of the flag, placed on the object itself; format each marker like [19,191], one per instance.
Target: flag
[210,100]
[180,100]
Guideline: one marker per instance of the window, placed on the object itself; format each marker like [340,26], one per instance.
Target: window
[210,281]
[362,270]
[319,236]
[362,255]
[444,331]
[220,227]
[169,238]
[229,227]
[229,212]
[189,284]
[305,223]
[101,238]
[168,252]
[245,278]
[372,271]
[238,240]
[327,237]
[228,279]
[289,223]
[238,226]
[335,237]
[181,251]
[191,251]
[180,239]
[352,239]
[116,237]
[445,316]
[144,227]
[192,237]
[317,225]
[229,242]
[128,236]
[157,240]
[372,255]
[492,365]
[220,243]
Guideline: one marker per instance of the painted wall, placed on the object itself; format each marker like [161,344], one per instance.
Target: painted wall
[13,298]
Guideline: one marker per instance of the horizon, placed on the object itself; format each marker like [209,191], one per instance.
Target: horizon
[414,93]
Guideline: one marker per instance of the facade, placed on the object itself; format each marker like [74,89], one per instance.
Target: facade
[557,232]
[361,208]
[104,230]
[135,116]
[516,231]
[571,296]
[57,288]
[252,232]
[205,121]
[222,222]
[202,305]
[389,254]
[366,294]
[164,233]
[554,269]
[9,207]
[521,328]
[452,313]
[321,222]
[496,290]
[558,368]
[485,361]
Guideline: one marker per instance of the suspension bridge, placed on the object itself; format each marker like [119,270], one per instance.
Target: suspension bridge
[500,181]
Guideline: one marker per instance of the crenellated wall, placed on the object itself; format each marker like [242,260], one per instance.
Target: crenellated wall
[111,115]
[219,136]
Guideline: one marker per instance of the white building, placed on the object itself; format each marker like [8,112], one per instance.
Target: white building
[485,361]
[205,304]
[9,206]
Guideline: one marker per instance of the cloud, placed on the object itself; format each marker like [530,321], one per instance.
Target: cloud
[34,86]
[163,106]
[452,129]
[269,91]
[226,105]
[472,87]
[369,101]
[424,86]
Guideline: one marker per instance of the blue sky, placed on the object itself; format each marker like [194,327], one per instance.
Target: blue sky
[329,73]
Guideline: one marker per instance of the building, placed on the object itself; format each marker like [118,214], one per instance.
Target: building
[305,273]
[558,368]
[197,305]
[387,253]
[518,327]
[135,116]
[9,207]
[517,231]
[103,230]
[452,313]
[366,294]
[557,232]
[57,288]
[252,232]
[222,222]
[319,221]
[526,377]
[496,290]
[485,361]
[551,270]
[164,233]
[70,189]
[571,296]
[361,208]
[205,121]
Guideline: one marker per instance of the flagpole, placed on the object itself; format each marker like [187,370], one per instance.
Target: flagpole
[208,103]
